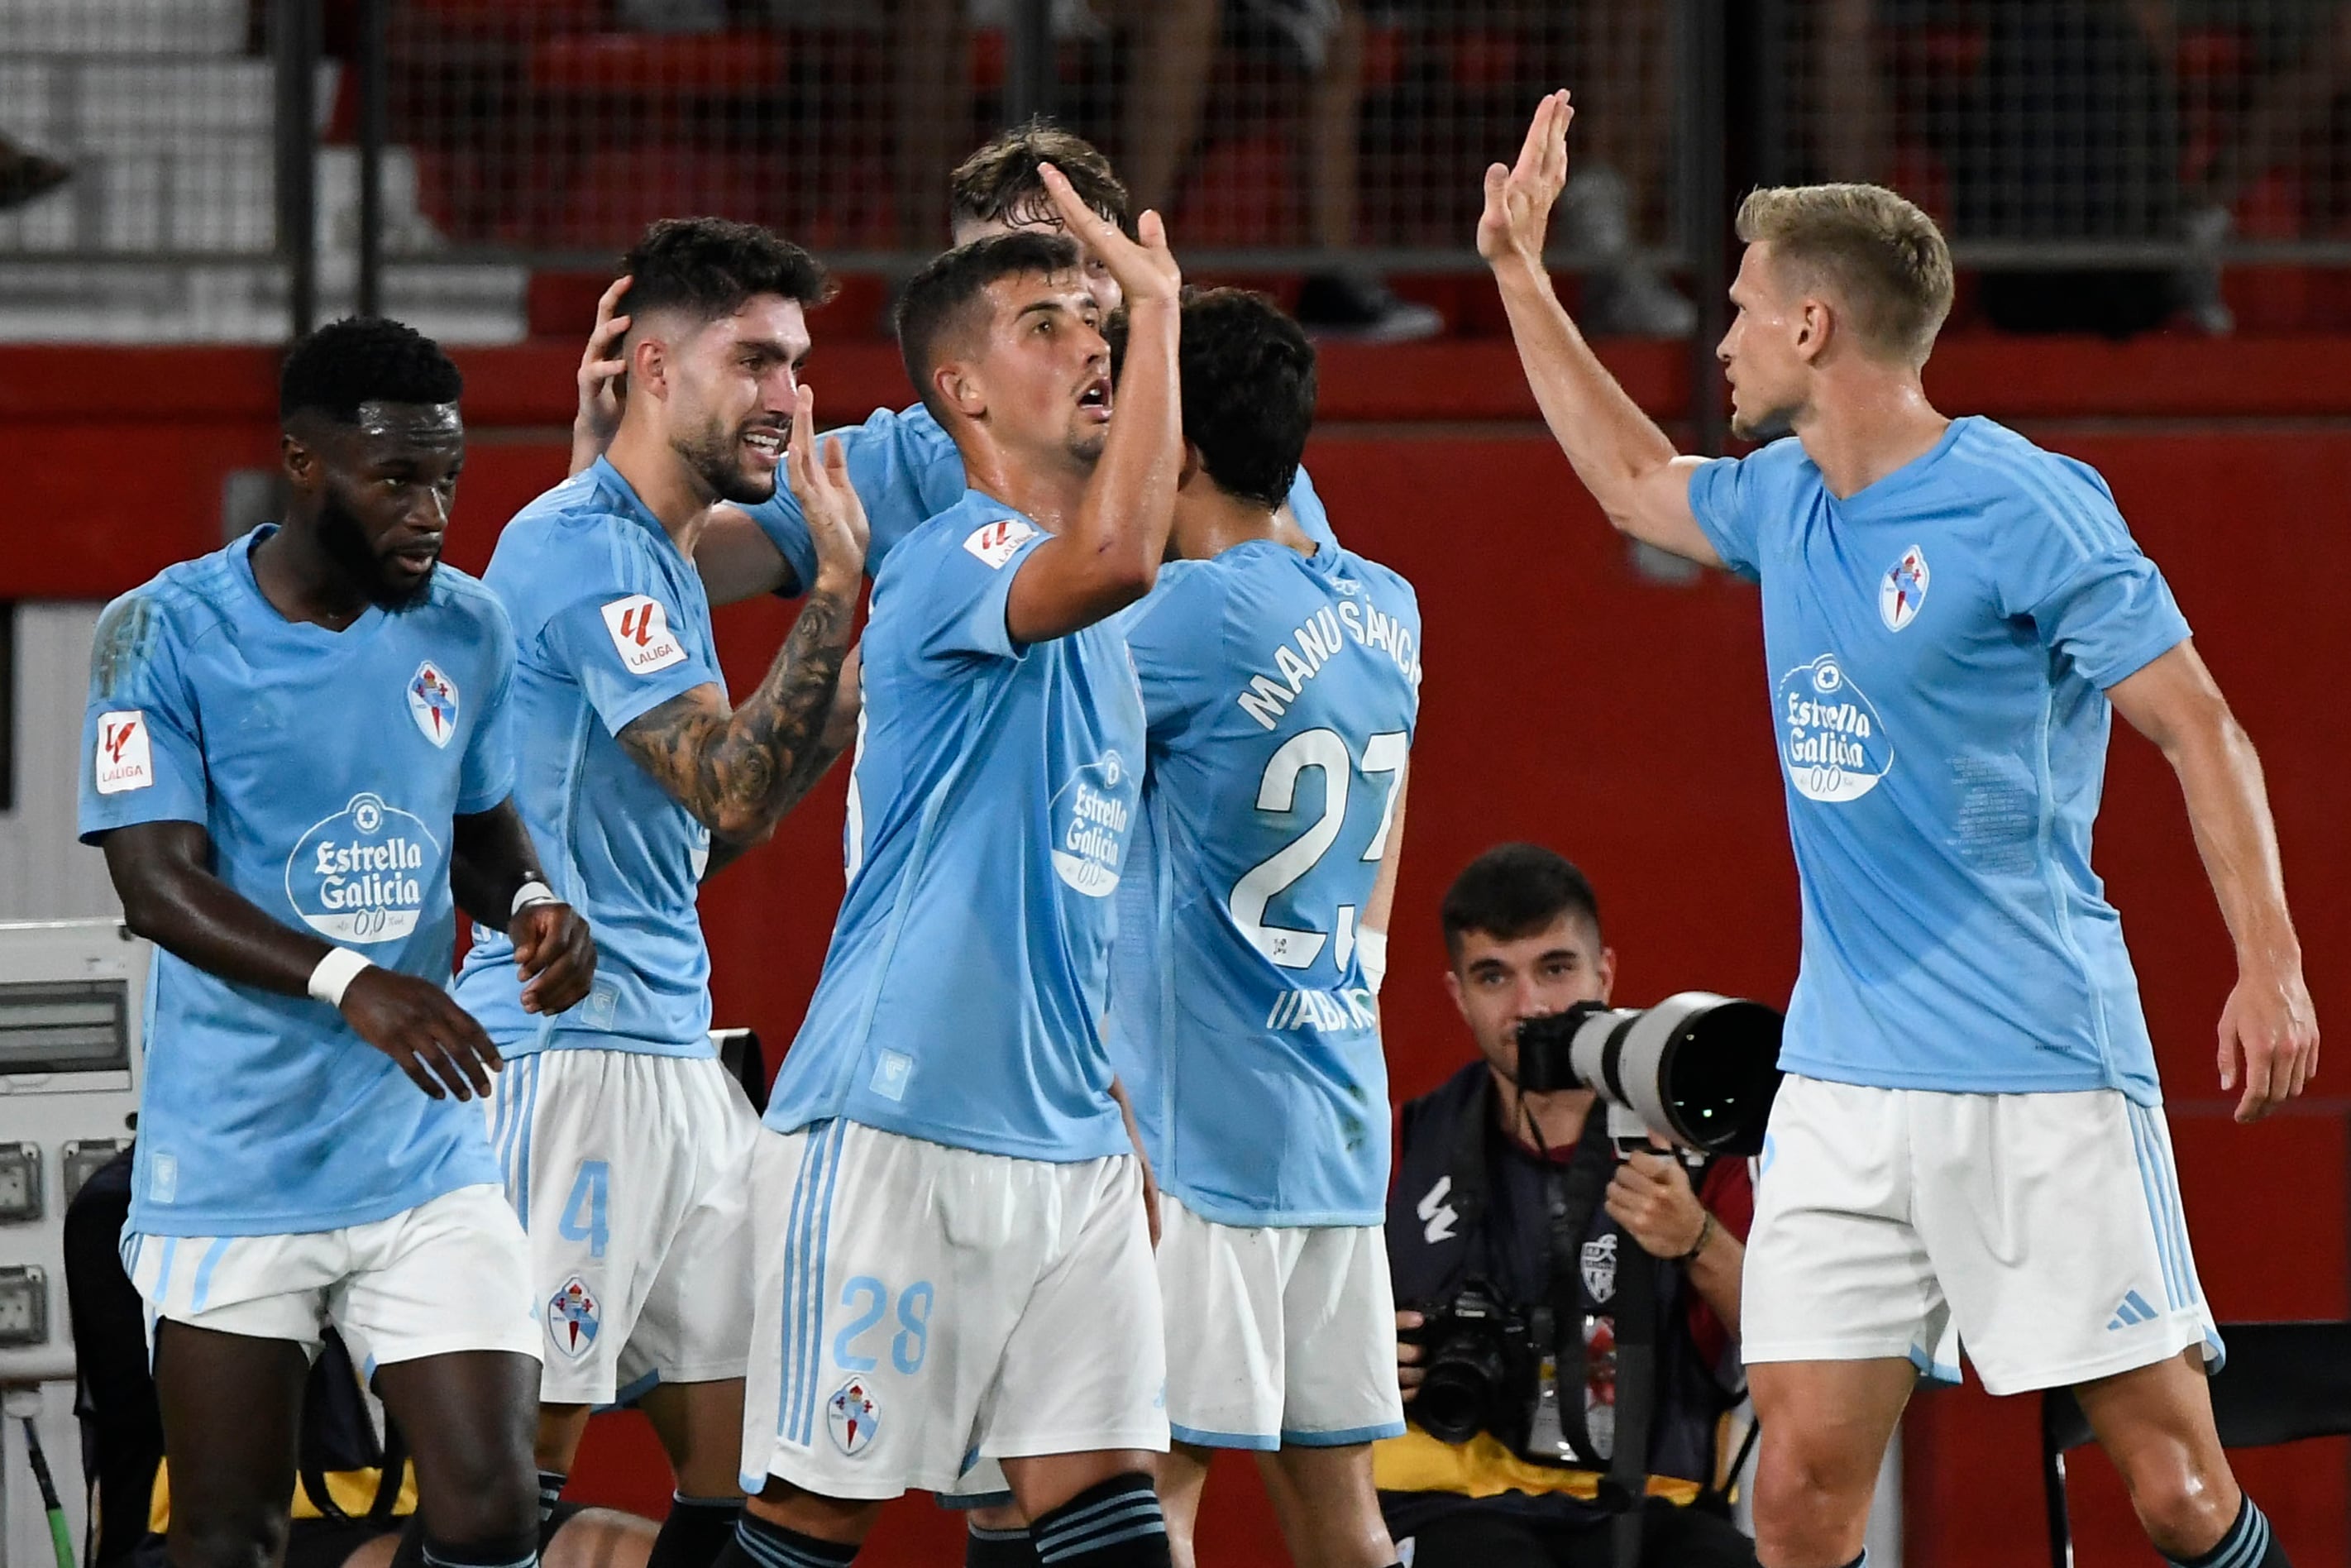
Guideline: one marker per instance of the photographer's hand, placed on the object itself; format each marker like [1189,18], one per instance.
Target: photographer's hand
[1652,1199]
[1409,1368]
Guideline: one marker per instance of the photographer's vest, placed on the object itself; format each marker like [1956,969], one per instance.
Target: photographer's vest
[1449,1223]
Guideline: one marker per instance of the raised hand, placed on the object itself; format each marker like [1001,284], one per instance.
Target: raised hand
[555,954]
[415,1023]
[599,380]
[835,516]
[1519,197]
[1144,268]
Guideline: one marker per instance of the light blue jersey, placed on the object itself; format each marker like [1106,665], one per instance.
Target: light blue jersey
[610,622]
[327,767]
[994,791]
[1281,692]
[1939,647]
[906,470]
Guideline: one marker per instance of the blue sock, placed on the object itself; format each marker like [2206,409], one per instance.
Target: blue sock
[1114,1524]
[2248,1544]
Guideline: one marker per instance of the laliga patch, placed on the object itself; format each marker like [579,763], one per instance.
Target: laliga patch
[639,629]
[433,703]
[571,1320]
[1903,589]
[852,1418]
[123,760]
[996,542]
[1599,1267]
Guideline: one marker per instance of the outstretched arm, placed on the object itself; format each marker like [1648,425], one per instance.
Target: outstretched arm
[2268,1025]
[1618,451]
[1108,554]
[739,770]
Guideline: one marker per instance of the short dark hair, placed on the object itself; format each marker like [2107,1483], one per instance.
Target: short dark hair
[938,302]
[364,359]
[713,266]
[999,182]
[1513,891]
[1248,391]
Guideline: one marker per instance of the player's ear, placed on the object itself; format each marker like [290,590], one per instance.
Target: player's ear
[1194,466]
[301,463]
[649,365]
[1815,323]
[959,387]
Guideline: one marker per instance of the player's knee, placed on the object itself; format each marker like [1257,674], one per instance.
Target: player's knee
[1807,1506]
[484,1509]
[2183,1507]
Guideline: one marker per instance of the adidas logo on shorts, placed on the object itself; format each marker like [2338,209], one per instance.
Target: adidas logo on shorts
[2134,1310]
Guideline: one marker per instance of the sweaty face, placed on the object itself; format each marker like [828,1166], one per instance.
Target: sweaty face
[729,386]
[1498,984]
[1044,367]
[385,486]
[1107,296]
[1769,378]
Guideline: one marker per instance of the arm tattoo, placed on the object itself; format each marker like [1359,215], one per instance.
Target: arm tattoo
[740,772]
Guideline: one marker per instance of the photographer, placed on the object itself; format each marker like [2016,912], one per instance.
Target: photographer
[1483,1173]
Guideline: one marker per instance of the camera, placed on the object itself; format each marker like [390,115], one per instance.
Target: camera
[1698,1068]
[1482,1369]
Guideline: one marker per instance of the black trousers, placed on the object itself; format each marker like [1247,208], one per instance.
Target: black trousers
[1671,1537]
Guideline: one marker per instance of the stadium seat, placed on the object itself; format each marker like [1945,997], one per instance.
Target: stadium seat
[2283,1382]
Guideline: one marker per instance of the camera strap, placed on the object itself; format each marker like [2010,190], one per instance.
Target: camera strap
[1572,1195]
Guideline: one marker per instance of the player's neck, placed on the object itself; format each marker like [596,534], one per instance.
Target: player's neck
[301,581]
[1045,491]
[1867,423]
[663,482]
[1558,1117]
[1210,522]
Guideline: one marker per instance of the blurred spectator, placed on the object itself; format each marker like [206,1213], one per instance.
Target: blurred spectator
[2304,49]
[1623,88]
[25,175]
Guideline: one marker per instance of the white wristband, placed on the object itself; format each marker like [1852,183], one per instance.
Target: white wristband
[529,893]
[1372,953]
[335,974]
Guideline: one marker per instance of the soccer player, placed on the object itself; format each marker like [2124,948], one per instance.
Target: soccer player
[957,1264]
[1971,1142]
[903,464]
[1280,683]
[298,753]
[622,1137]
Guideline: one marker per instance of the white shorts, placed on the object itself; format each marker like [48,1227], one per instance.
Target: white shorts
[443,1277]
[921,1309]
[1276,1336]
[631,1173]
[2042,1232]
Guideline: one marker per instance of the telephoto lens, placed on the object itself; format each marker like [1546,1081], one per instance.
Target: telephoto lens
[1699,1069]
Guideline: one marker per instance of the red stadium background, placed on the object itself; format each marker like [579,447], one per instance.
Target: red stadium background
[1567,700]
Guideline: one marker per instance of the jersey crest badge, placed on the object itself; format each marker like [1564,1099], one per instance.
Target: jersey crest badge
[852,1418]
[1903,589]
[996,542]
[1600,1267]
[571,1320]
[433,703]
[124,760]
[639,630]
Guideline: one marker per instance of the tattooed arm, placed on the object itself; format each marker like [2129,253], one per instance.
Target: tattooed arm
[739,770]
[840,730]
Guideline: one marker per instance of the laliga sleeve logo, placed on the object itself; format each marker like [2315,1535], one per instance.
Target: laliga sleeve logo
[124,759]
[360,874]
[1090,816]
[1831,739]
[995,543]
[639,630]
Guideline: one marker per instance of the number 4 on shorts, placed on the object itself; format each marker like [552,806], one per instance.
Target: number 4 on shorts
[583,1211]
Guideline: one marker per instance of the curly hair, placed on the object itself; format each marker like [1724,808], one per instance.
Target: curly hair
[364,359]
[712,267]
